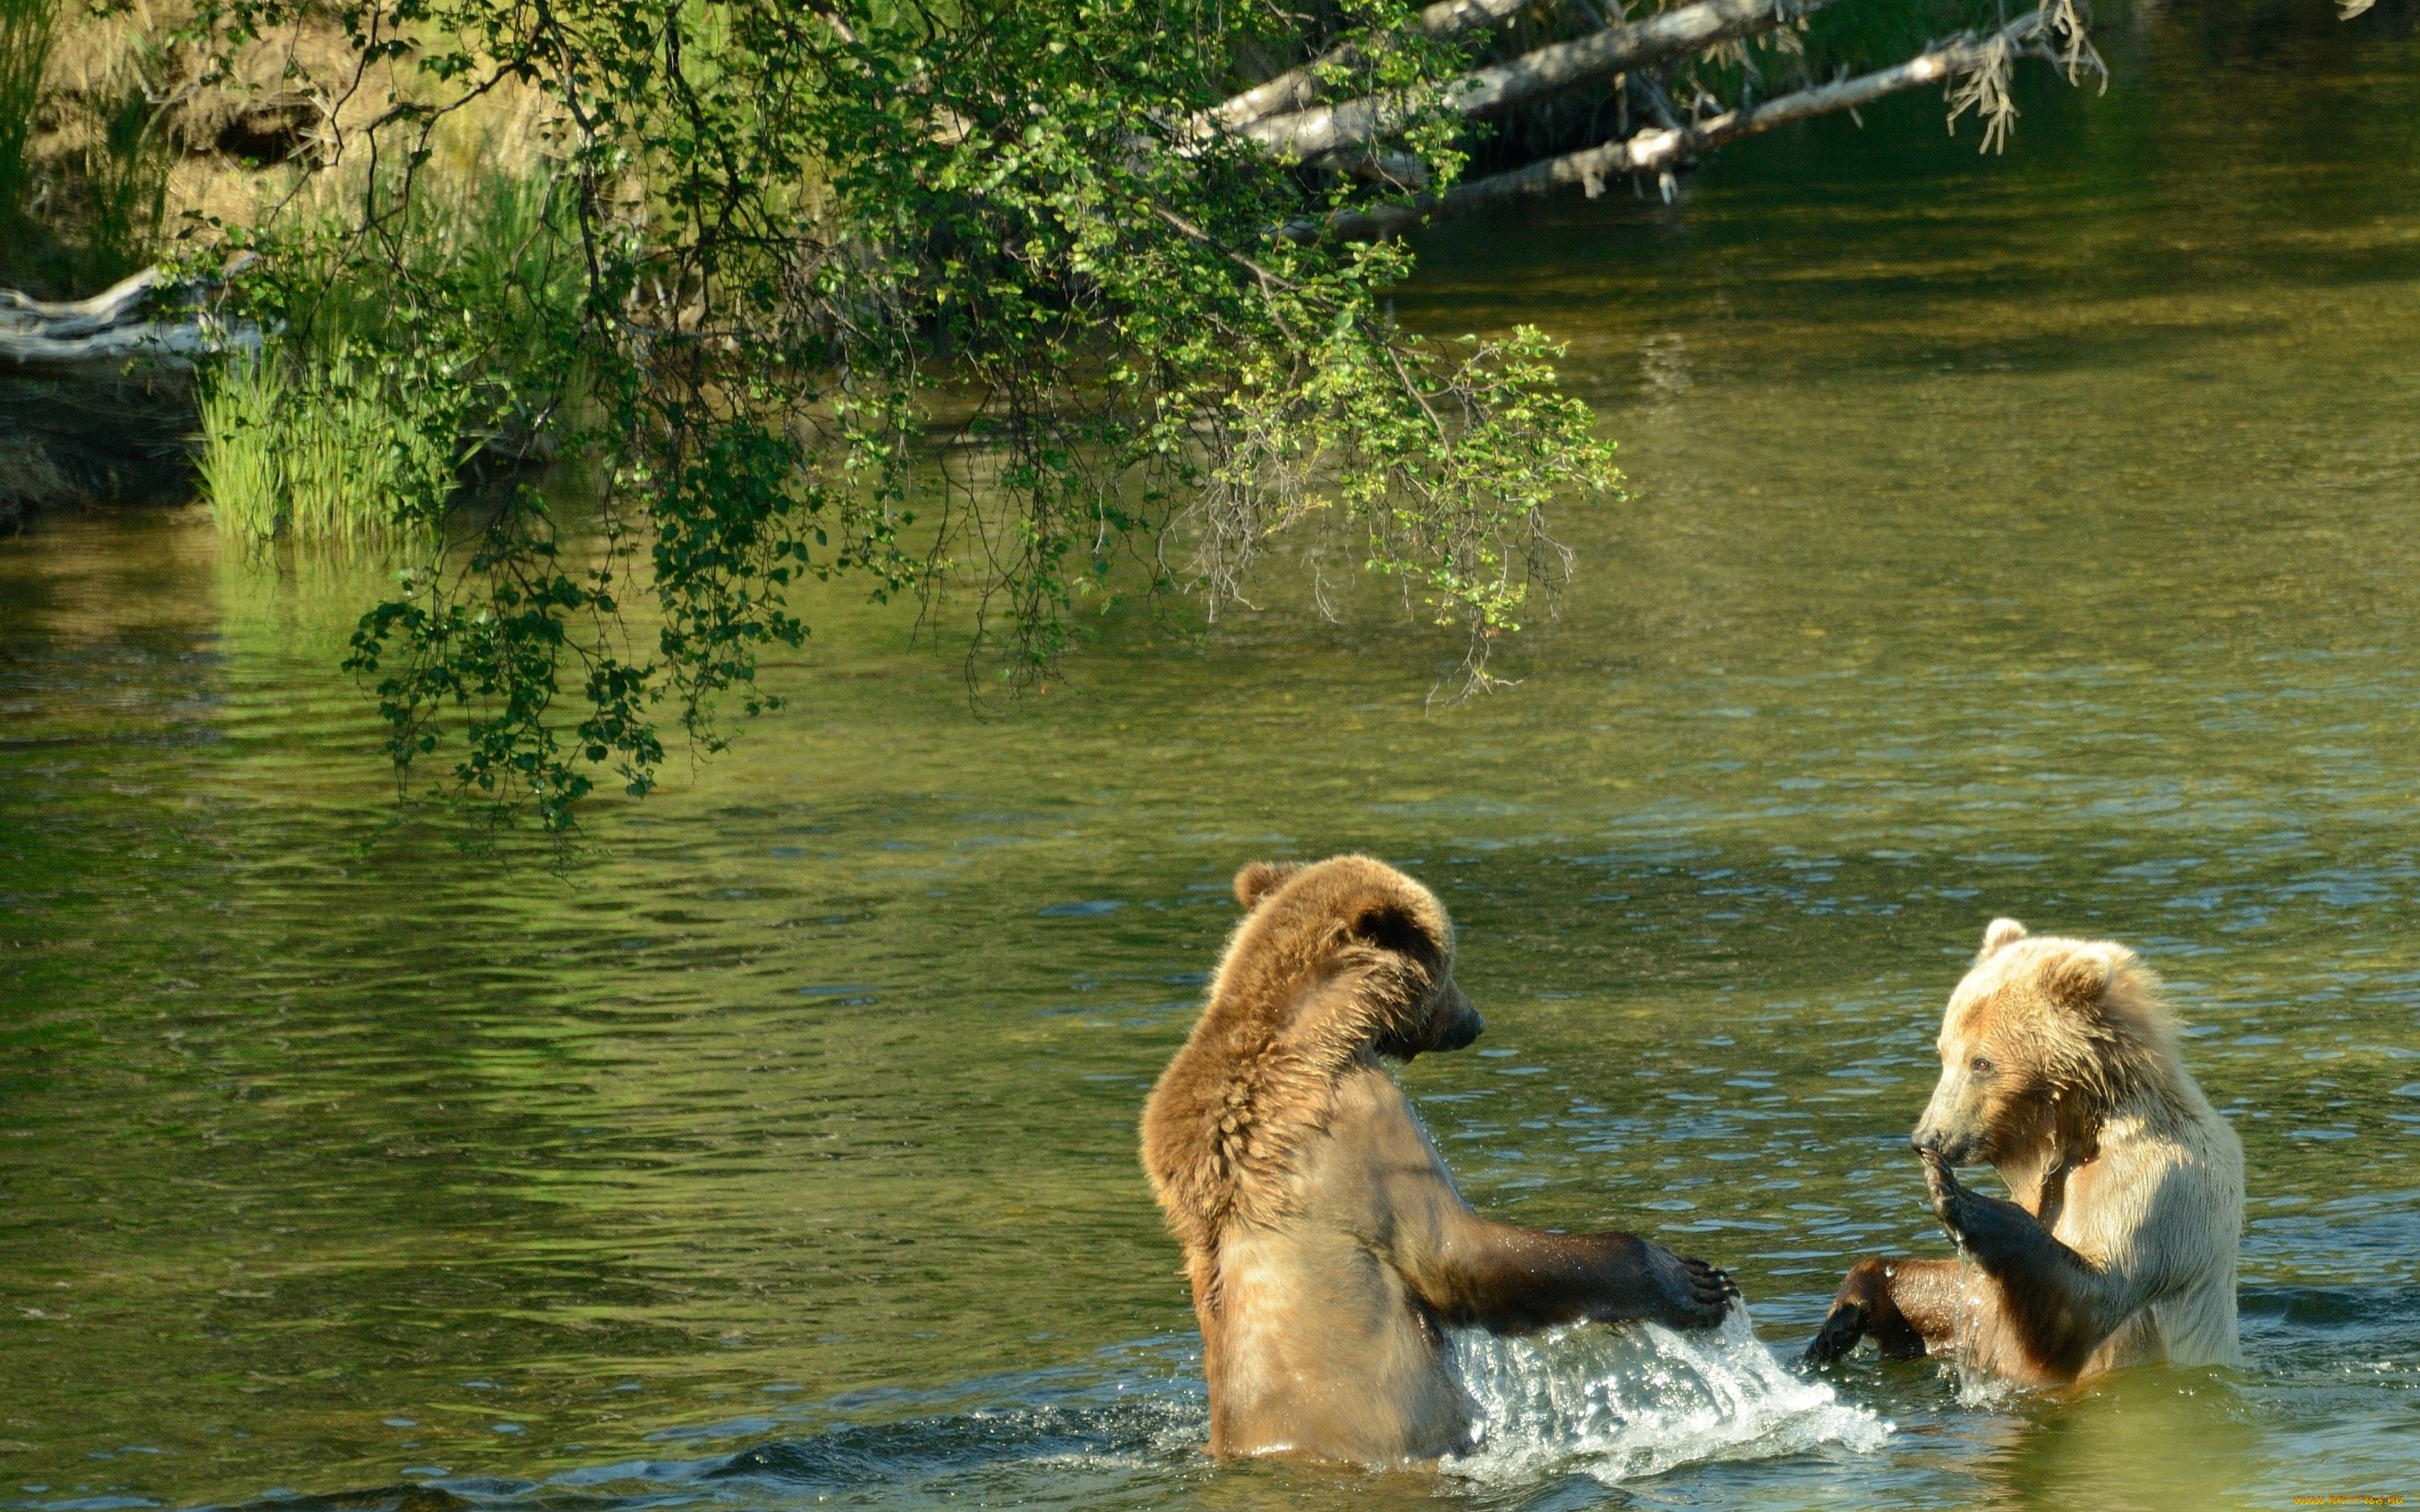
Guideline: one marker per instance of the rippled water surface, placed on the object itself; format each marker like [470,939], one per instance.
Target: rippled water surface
[2029,536]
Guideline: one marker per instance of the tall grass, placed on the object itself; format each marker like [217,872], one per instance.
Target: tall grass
[126,172]
[339,455]
[25,35]
[243,468]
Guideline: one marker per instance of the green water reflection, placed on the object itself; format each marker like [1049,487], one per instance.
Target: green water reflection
[2033,536]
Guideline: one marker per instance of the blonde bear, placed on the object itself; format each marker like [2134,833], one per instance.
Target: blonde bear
[2059,1067]
[1327,1245]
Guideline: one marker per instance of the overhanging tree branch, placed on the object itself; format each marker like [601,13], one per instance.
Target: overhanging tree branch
[1306,133]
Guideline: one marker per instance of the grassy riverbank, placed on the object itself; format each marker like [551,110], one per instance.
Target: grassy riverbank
[130,137]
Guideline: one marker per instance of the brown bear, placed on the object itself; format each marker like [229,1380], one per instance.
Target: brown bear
[2059,1067]
[1327,1245]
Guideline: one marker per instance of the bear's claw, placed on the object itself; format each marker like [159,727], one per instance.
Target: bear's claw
[1948,1197]
[1699,1295]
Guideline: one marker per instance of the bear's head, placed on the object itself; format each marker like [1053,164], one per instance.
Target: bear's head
[1332,964]
[1366,952]
[2042,1039]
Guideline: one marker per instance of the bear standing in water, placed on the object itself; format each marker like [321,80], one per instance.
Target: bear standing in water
[2059,1067]
[1327,1245]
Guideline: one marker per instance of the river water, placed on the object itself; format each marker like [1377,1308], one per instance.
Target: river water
[2026,536]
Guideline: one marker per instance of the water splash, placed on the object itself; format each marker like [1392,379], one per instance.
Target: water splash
[1619,1403]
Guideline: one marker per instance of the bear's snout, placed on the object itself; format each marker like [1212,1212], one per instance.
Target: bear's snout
[1462,1028]
[1957,1149]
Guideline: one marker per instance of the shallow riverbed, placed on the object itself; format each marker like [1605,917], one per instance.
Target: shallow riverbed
[2033,536]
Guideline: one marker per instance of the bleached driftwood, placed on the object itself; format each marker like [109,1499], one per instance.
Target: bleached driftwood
[112,329]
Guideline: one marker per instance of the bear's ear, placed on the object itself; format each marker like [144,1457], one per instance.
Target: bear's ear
[1391,927]
[2003,933]
[1258,880]
[2079,980]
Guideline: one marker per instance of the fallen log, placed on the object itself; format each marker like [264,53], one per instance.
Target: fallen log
[1658,150]
[1297,87]
[1623,49]
[97,394]
[113,330]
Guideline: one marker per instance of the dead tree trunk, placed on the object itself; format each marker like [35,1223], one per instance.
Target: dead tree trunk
[108,332]
[1620,49]
[1659,151]
[1298,87]
[1348,136]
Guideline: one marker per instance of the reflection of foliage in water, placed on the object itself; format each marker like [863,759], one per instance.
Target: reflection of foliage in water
[287,602]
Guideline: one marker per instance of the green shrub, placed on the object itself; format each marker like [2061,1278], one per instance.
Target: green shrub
[391,379]
[452,355]
[812,246]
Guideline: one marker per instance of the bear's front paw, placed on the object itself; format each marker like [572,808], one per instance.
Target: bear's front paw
[1951,1203]
[1864,1305]
[1695,1294]
[1986,1226]
[1842,1327]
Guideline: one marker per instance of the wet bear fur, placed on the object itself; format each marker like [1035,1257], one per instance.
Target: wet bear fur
[1327,1248]
[2060,1069]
